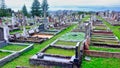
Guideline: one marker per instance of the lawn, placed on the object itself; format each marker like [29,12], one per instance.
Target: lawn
[3,54]
[16,31]
[13,47]
[67,43]
[59,51]
[73,36]
[104,49]
[20,30]
[101,63]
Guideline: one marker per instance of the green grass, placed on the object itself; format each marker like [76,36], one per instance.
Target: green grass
[20,31]
[13,47]
[86,18]
[59,51]
[70,36]
[16,31]
[101,63]
[67,43]
[3,54]
[100,28]
[115,29]
[104,49]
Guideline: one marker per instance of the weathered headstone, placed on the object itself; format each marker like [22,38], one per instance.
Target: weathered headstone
[41,27]
[1,34]
[6,32]
[13,20]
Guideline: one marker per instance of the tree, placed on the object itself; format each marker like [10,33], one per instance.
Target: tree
[2,4]
[24,10]
[45,7]
[36,8]
[3,10]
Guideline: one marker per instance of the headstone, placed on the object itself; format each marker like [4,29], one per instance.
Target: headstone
[13,20]
[1,34]
[17,35]
[41,27]
[0,21]
[6,32]
[31,31]
[25,34]
[77,50]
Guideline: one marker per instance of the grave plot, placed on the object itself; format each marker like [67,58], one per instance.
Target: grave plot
[107,49]
[59,51]
[13,50]
[73,36]
[59,56]
[30,39]
[66,52]
[64,43]
[19,38]
[102,27]
[13,47]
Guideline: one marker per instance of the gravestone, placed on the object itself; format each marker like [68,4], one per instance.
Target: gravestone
[6,32]
[13,20]
[0,21]
[41,27]
[1,34]
[78,54]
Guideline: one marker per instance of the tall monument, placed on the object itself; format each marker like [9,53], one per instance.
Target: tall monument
[45,8]
[6,32]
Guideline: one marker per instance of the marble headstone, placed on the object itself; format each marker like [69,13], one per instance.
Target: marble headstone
[6,33]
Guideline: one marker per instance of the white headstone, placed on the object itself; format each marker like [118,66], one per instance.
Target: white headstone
[13,20]
[6,33]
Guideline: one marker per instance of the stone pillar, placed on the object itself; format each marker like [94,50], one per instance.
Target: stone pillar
[6,33]
[13,20]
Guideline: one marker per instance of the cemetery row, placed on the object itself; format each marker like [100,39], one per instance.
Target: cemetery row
[103,42]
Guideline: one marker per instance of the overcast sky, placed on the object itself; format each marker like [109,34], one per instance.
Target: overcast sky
[17,4]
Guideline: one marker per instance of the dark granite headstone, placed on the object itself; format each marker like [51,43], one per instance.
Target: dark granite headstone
[77,50]
[41,28]
[1,34]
